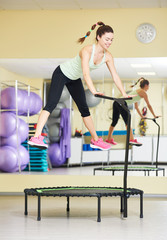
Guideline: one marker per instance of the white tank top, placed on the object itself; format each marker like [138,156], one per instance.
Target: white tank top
[73,69]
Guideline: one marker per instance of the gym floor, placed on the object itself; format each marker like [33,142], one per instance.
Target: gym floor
[81,222]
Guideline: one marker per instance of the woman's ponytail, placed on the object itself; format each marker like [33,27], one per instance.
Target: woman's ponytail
[81,40]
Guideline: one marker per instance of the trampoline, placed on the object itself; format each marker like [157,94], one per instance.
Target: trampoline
[123,192]
[146,169]
[68,192]
[114,169]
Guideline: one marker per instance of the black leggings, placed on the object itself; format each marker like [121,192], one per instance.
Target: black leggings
[75,88]
[117,111]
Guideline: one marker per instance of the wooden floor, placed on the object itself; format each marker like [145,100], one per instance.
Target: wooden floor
[81,222]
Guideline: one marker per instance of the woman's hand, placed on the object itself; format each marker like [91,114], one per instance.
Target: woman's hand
[98,93]
[129,96]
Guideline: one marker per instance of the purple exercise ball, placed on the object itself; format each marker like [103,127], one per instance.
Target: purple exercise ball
[55,155]
[10,141]
[23,157]
[8,159]
[35,103]
[23,130]
[7,124]
[8,99]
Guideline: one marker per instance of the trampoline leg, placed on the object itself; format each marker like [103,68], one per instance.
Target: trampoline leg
[156,173]
[68,204]
[98,209]
[26,199]
[141,205]
[39,208]
[125,212]
[122,208]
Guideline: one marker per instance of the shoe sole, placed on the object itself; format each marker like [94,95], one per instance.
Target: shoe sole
[136,144]
[94,146]
[37,145]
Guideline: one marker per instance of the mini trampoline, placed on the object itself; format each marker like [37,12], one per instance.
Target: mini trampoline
[123,192]
[146,170]
[97,192]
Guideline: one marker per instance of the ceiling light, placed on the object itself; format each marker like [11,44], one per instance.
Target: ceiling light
[141,65]
[146,73]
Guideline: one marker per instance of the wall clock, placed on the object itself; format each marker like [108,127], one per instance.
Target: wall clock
[145,33]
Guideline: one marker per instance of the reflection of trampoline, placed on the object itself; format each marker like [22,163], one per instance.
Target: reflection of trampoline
[124,193]
[121,168]
[83,192]
[138,168]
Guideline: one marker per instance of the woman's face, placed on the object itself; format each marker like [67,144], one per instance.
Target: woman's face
[146,87]
[105,40]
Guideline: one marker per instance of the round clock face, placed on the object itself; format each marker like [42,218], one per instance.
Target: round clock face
[146,33]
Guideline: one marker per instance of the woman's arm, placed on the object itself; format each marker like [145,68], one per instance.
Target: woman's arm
[85,55]
[137,109]
[117,80]
[144,95]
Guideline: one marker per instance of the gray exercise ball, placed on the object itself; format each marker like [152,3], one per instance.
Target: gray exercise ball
[91,100]
[54,130]
[54,139]
[65,95]
[56,112]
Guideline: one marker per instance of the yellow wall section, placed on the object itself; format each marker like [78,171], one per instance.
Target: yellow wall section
[15,183]
[53,34]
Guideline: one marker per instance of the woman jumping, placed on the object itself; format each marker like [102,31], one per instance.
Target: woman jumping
[118,110]
[69,73]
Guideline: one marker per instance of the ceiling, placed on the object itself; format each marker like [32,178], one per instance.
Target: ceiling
[79,4]
[43,68]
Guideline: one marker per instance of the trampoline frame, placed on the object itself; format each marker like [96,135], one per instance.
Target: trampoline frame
[146,169]
[115,169]
[64,192]
[124,194]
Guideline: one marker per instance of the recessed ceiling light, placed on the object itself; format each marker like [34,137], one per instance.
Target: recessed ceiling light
[141,65]
[147,73]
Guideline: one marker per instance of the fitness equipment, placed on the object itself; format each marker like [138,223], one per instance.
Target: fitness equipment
[55,155]
[91,100]
[98,192]
[57,110]
[7,124]
[65,95]
[146,169]
[14,140]
[23,130]
[8,99]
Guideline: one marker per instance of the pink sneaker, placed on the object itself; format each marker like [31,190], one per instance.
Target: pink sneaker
[111,141]
[135,142]
[37,142]
[99,144]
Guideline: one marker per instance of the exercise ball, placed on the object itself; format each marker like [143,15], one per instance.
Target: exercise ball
[24,158]
[14,140]
[7,124]
[55,155]
[26,103]
[23,130]
[8,99]
[54,139]
[56,112]
[91,100]
[52,120]
[65,95]
[8,159]
[38,103]
[54,130]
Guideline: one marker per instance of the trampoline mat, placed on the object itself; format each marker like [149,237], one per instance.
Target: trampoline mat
[81,191]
